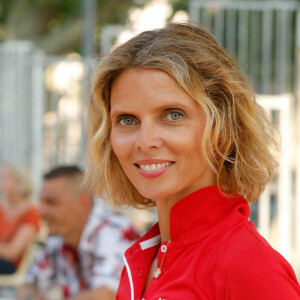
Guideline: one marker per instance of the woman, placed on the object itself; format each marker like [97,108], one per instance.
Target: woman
[19,221]
[174,124]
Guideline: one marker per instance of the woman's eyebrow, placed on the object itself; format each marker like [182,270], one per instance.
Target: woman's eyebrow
[118,113]
[173,105]
[170,105]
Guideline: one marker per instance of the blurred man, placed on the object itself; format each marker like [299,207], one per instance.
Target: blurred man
[83,255]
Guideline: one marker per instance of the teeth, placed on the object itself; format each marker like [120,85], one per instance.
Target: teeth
[154,167]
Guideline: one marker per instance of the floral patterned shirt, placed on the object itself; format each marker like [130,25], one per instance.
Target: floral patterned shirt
[61,272]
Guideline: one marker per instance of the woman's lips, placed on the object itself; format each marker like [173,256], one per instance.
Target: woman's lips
[153,168]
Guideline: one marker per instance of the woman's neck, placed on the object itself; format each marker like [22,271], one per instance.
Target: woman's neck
[164,207]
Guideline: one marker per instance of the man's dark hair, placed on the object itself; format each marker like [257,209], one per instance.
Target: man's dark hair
[63,171]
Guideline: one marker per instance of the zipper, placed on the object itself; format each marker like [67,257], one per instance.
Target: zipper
[163,249]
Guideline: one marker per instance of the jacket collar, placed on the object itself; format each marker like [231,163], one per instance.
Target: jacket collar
[192,218]
[196,215]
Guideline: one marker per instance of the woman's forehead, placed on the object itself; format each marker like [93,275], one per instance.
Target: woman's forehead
[148,86]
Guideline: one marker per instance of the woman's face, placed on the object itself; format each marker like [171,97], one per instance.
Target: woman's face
[156,134]
[8,181]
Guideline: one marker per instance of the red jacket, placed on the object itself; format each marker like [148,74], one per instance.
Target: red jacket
[215,253]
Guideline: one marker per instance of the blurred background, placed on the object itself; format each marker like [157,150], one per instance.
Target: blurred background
[50,48]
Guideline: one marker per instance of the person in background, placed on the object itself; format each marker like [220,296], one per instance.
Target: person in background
[82,258]
[173,123]
[19,220]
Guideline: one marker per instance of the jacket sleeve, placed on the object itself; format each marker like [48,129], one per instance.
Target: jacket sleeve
[262,274]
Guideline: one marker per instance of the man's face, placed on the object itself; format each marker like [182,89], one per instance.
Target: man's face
[59,205]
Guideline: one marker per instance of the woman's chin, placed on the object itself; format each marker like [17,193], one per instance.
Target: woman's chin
[155,195]
[147,194]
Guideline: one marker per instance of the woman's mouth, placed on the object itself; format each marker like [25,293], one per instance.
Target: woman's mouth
[155,167]
[152,169]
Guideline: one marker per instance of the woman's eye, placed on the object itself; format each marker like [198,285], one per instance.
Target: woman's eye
[127,121]
[174,115]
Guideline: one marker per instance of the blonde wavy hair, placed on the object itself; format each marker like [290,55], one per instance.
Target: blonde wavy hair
[237,133]
[24,184]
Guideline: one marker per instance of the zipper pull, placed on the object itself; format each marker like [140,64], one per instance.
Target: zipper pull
[164,249]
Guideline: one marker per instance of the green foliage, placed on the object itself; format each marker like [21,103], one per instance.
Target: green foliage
[179,5]
[49,23]
[5,6]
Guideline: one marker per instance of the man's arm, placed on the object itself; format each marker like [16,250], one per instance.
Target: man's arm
[29,292]
[101,293]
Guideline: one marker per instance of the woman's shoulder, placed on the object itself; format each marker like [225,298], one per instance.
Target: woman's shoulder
[255,270]
[31,216]
[30,210]
[247,245]
[261,273]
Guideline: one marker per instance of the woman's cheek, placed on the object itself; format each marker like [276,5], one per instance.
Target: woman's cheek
[120,145]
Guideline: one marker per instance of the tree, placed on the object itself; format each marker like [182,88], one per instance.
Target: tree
[56,26]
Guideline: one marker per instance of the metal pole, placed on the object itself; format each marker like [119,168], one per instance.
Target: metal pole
[298,145]
[89,18]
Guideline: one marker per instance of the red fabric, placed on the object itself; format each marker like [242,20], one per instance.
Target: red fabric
[9,226]
[215,253]
[130,234]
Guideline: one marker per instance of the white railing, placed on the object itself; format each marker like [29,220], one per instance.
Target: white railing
[278,227]
[41,104]
[264,37]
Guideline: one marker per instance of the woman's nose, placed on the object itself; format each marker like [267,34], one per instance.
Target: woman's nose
[148,137]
